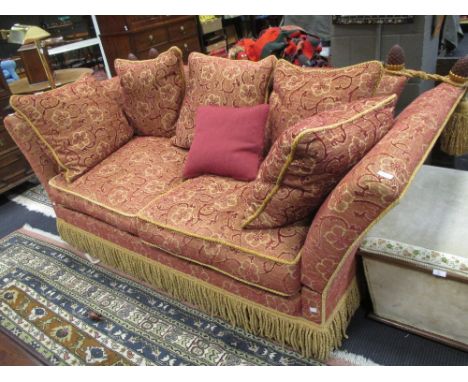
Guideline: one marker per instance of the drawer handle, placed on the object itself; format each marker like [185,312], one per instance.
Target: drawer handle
[186,47]
[182,29]
[151,37]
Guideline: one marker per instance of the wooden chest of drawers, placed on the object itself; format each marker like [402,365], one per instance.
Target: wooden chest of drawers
[14,169]
[121,35]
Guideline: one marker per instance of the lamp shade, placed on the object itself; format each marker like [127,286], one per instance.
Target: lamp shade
[25,34]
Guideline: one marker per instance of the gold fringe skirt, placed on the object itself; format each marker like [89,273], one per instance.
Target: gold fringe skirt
[308,338]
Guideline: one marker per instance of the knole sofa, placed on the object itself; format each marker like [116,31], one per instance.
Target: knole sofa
[274,255]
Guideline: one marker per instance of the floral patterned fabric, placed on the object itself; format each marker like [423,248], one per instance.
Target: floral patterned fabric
[372,186]
[153,92]
[122,184]
[200,221]
[311,157]
[288,305]
[80,123]
[391,84]
[32,148]
[222,82]
[300,93]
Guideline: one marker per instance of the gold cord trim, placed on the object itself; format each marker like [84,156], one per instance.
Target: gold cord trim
[410,73]
[308,338]
[292,152]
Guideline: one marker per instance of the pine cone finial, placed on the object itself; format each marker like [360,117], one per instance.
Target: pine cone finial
[395,58]
[459,72]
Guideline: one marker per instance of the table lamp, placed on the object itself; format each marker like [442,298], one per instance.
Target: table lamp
[26,34]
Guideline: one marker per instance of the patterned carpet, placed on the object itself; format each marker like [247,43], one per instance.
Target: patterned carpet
[47,292]
[369,342]
[34,199]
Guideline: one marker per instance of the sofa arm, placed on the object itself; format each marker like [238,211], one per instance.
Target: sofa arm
[373,186]
[32,148]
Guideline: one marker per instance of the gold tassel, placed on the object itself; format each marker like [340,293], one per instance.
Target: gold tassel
[454,139]
[310,339]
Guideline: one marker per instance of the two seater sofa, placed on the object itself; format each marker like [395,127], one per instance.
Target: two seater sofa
[295,284]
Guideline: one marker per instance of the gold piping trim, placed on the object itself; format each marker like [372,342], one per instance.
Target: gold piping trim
[173,48]
[13,99]
[309,338]
[186,233]
[273,291]
[390,206]
[329,70]
[227,244]
[53,185]
[292,152]
[315,70]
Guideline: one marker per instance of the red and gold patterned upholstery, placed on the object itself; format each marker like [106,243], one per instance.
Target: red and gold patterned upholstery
[153,92]
[391,84]
[200,221]
[372,186]
[222,82]
[32,148]
[122,184]
[287,305]
[300,93]
[80,123]
[311,157]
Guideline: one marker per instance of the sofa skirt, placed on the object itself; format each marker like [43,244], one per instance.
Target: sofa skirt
[256,311]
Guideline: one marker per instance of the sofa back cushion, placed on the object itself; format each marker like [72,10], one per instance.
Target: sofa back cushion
[221,82]
[311,157]
[80,123]
[300,93]
[153,92]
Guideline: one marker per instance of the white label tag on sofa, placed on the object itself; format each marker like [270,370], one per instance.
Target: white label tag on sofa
[313,310]
[385,175]
[439,273]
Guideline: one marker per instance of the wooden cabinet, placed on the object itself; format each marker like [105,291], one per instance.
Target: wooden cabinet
[14,169]
[121,35]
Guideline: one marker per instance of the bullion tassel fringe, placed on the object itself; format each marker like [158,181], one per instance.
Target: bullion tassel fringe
[454,140]
[310,339]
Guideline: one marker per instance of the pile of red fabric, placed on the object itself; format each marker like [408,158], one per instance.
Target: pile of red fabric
[288,42]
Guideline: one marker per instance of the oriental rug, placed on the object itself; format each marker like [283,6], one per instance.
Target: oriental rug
[34,199]
[50,297]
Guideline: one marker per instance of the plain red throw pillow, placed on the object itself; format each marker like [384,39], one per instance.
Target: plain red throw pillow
[228,141]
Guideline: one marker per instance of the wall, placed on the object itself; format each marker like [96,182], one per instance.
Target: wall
[356,43]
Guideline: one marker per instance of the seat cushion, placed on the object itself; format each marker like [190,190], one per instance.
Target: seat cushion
[118,187]
[80,123]
[200,221]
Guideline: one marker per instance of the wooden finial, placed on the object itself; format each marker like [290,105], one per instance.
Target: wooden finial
[459,72]
[395,58]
